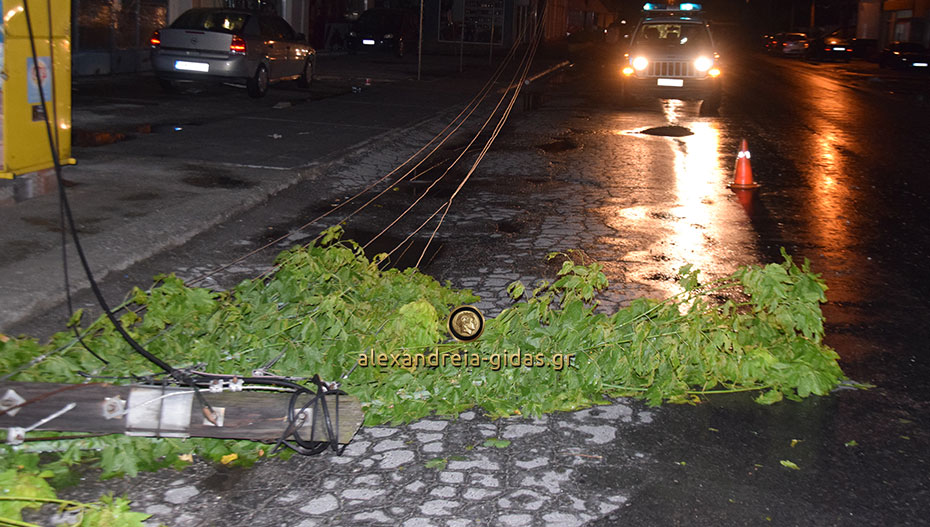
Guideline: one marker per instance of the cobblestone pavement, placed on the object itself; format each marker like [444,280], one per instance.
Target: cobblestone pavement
[573,175]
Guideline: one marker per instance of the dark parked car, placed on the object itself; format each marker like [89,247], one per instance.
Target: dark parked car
[788,44]
[905,55]
[833,46]
[229,45]
[395,30]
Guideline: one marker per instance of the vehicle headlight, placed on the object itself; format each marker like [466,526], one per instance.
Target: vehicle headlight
[352,33]
[703,64]
[388,36]
[640,63]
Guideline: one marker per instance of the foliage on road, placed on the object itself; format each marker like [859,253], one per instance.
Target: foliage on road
[327,308]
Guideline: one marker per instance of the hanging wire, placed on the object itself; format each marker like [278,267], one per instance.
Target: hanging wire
[177,374]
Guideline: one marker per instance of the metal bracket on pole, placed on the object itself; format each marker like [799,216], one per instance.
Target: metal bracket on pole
[10,402]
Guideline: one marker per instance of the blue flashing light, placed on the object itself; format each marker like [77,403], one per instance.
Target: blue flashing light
[687,6]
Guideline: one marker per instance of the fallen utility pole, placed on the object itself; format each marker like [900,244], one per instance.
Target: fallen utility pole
[172,411]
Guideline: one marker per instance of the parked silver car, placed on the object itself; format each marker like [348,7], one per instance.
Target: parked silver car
[230,45]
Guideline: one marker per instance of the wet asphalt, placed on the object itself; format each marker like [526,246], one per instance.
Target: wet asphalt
[840,154]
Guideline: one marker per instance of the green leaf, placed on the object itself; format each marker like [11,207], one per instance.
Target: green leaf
[496,443]
[789,464]
[438,463]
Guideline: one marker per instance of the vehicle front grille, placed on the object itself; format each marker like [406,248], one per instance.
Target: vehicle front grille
[671,69]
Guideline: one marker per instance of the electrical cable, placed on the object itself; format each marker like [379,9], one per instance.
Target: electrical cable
[177,374]
[448,169]
[521,72]
[467,111]
[473,104]
[497,130]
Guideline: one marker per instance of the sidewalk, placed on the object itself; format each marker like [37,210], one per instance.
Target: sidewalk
[182,164]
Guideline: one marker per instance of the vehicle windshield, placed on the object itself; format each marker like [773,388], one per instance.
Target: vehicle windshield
[673,34]
[795,37]
[220,21]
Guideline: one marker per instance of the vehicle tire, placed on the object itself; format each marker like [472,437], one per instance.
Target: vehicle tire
[400,48]
[307,77]
[167,86]
[257,86]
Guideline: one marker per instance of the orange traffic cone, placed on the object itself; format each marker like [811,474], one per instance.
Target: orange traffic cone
[743,178]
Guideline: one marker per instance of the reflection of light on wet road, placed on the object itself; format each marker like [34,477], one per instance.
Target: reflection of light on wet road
[697,182]
[830,197]
[668,202]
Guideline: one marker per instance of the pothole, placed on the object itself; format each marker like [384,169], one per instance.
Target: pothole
[668,131]
[663,216]
[558,145]
[660,277]
[509,227]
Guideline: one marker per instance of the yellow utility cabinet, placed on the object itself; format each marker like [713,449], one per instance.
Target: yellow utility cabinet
[24,145]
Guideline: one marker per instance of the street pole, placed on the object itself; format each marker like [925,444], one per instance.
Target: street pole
[420,46]
[166,411]
[462,40]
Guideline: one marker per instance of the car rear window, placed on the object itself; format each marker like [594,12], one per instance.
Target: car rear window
[795,37]
[220,21]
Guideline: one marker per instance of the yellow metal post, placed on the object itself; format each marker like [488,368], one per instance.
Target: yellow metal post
[24,142]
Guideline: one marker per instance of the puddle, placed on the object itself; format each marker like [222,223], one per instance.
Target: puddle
[53,226]
[140,196]
[170,128]
[558,145]
[16,250]
[668,131]
[90,138]
[216,181]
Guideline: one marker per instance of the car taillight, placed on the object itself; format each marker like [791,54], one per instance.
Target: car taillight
[155,41]
[237,45]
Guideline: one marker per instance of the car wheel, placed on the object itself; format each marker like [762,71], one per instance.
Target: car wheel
[711,105]
[307,77]
[258,85]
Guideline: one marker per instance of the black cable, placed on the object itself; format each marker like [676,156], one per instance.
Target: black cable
[298,443]
[178,375]
[64,264]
